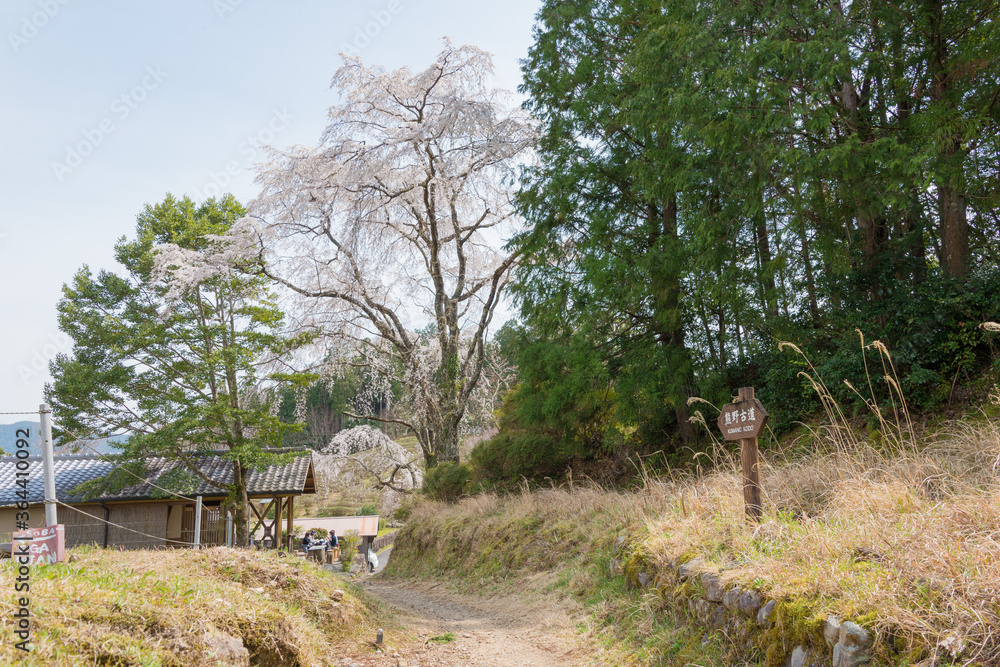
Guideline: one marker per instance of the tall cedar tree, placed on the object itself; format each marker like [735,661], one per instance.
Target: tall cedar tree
[605,255]
[719,176]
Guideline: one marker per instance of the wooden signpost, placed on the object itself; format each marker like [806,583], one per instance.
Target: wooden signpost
[744,421]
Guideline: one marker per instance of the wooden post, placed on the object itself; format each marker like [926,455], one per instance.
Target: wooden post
[289,528]
[277,524]
[751,467]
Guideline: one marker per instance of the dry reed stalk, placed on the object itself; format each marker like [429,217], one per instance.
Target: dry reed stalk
[909,531]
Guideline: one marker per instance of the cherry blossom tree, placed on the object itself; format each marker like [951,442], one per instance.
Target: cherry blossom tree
[364,456]
[391,230]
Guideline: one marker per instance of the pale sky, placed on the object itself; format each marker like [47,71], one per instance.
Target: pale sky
[109,105]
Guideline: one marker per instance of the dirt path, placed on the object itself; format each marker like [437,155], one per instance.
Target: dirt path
[497,631]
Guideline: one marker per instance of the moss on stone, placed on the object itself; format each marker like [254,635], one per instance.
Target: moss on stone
[796,623]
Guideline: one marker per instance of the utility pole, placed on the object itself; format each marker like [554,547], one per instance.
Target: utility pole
[48,464]
[197,522]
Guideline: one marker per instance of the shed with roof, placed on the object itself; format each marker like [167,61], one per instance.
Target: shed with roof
[145,515]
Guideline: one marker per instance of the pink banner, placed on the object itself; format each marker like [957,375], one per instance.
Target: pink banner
[42,546]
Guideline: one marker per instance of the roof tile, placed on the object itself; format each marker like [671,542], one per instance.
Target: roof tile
[73,470]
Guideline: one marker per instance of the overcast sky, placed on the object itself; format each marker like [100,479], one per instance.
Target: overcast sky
[109,105]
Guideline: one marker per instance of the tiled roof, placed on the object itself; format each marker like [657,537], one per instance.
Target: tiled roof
[73,470]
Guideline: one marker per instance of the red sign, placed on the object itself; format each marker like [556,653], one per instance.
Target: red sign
[744,419]
[42,546]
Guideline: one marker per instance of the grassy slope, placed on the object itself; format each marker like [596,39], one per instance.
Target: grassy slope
[165,607]
[901,534]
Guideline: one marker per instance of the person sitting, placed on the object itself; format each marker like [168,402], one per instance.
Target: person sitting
[332,547]
[314,546]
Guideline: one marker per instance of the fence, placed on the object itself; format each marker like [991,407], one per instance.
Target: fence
[383,541]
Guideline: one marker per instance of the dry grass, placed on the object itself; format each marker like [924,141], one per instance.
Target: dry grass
[910,541]
[899,529]
[171,607]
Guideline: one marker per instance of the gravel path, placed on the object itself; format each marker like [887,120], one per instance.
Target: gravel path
[497,631]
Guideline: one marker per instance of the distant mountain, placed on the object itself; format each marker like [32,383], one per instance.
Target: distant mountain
[8,441]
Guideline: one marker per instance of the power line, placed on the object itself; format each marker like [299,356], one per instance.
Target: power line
[116,525]
[100,455]
[122,468]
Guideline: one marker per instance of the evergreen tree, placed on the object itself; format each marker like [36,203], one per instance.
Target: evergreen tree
[174,353]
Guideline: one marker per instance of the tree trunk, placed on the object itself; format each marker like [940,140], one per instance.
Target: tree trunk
[739,341]
[722,335]
[240,506]
[763,247]
[449,435]
[913,241]
[810,280]
[954,250]
[703,316]
[954,232]
[668,319]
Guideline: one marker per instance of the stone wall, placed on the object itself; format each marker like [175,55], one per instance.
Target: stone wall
[787,633]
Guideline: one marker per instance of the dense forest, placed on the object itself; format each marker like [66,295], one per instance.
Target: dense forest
[714,178]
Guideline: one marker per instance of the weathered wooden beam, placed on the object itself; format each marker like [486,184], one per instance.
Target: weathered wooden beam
[277,523]
[260,519]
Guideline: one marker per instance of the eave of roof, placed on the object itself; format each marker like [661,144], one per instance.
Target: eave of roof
[72,470]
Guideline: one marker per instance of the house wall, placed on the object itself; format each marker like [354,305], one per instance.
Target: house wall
[8,520]
[80,528]
[86,526]
[148,518]
[83,528]
[162,523]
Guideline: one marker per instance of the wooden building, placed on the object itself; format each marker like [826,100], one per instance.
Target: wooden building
[142,516]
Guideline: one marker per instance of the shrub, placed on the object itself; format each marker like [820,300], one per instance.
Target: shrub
[349,542]
[405,508]
[366,510]
[510,455]
[447,481]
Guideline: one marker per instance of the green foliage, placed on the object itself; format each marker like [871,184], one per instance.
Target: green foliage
[931,332]
[714,178]
[349,542]
[366,510]
[177,371]
[405,508]
[323,404]
[448,481]
[508,456]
